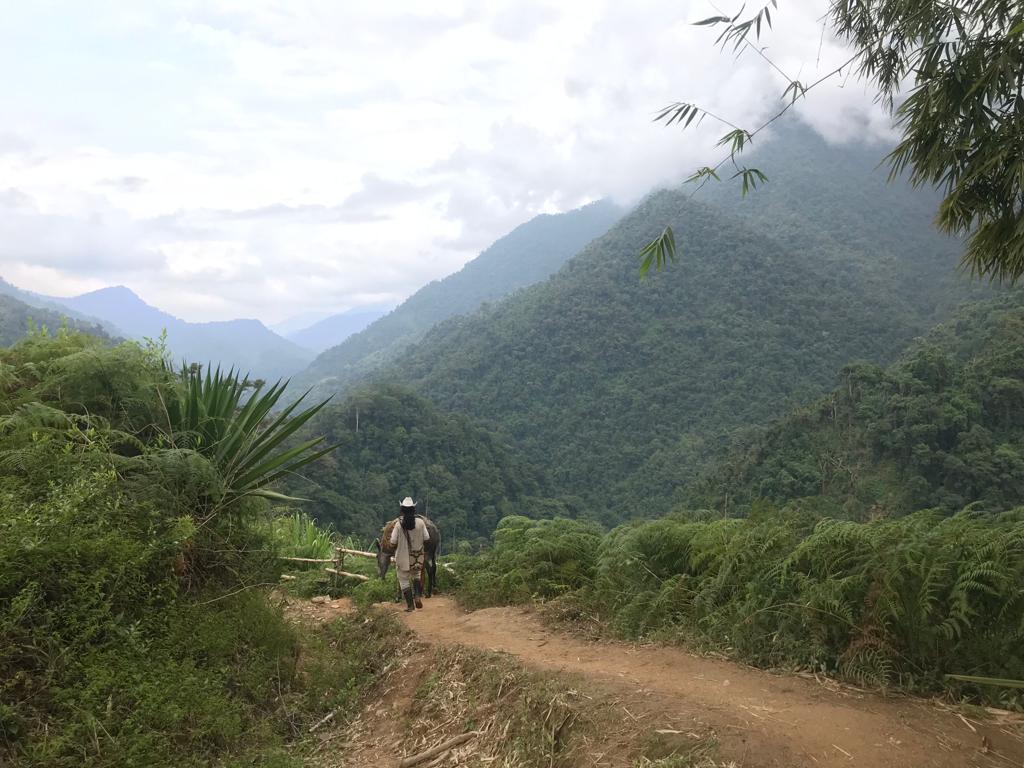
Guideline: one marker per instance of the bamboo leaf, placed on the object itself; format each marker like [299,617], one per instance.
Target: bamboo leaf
[998,681]
[710,20]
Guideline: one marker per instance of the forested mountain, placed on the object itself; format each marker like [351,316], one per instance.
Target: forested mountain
[16,317]
[623,386]
[49,303]
[247,345]
[943,427]
[527,255]
[404,446]
[333,330]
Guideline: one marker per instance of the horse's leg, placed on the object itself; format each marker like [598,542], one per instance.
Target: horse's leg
[432,573]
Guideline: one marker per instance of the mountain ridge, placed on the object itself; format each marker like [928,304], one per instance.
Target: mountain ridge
[334,329]
[623,386]
[528,254]
[17,318]
[244,344]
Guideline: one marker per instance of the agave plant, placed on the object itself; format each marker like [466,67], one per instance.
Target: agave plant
[242,439]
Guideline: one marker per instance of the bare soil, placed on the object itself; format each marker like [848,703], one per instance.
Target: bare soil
[758,719]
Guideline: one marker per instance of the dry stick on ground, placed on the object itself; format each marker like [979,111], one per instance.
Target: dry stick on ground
[327,719]
[439,759]
[462,738]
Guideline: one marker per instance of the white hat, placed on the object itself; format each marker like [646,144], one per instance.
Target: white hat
[408,502]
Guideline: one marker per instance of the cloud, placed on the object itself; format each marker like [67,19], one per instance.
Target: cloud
[237,159]
[102,241]
[11,143]
[125,183]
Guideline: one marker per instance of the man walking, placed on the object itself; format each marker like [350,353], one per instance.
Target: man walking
[407,538]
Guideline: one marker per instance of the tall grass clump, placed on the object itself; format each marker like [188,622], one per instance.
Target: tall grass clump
[297,535]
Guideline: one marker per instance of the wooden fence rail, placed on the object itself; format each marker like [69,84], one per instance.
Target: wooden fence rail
[359,552]
[338,561]
[336,572]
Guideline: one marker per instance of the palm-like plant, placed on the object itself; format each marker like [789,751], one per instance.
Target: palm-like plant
[243,440]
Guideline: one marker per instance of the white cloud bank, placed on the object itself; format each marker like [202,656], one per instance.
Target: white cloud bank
[260,158]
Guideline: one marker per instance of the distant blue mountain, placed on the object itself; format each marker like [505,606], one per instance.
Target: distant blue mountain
[246,345]
[298,322]
[333,330]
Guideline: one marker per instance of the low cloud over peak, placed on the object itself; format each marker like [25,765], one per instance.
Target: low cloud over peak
[261,159]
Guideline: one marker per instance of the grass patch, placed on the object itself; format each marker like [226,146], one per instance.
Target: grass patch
[530,718]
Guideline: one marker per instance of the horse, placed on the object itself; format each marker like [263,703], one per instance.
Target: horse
[385,553]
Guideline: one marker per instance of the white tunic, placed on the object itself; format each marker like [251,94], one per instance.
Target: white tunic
[417,536]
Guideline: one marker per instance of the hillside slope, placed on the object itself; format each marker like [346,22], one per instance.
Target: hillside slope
[39,301]
[16,317]
[527,255]
[392,444]
[943,427]
[621,386]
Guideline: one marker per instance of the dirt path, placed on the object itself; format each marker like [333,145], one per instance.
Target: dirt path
[761,719]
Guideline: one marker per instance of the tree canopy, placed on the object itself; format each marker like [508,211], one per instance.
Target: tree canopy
[941,428]
[779,291]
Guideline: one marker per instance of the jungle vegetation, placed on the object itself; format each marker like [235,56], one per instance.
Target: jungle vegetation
[941,428]
[876,535]
[624,387]
[392,443]
[135,627]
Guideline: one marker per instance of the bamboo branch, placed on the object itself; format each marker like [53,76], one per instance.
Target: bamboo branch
[308,559]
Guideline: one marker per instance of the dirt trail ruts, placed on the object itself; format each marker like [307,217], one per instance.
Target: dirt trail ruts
[761,719]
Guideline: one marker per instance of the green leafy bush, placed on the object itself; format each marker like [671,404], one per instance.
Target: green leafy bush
[530,559]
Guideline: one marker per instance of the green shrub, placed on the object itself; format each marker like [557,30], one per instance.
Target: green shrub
[530,559]
[134,623]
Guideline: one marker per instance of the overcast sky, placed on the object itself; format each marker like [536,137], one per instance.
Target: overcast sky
[241,158]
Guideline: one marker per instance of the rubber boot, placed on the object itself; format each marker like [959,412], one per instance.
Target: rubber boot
[417,593]
[407,594]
